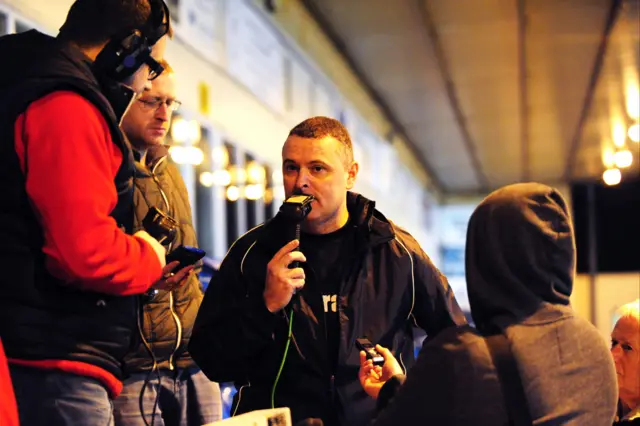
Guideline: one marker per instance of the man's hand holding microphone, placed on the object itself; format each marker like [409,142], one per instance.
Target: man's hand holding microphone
[282,282]
[284,274]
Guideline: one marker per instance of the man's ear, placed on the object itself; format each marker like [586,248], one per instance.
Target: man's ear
[352,174]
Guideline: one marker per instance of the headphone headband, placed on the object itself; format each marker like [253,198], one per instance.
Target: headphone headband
[124,55]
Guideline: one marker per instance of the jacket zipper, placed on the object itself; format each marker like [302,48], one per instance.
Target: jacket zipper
[332,388]
[171,300]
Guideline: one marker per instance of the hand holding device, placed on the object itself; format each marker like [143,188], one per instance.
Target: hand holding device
[284,275]
[182,260]
[282,281]
[370,351]
[295,209]
[373,377]
[170,280]
[186,256]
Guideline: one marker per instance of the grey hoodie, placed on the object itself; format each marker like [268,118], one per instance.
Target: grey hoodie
[520,264]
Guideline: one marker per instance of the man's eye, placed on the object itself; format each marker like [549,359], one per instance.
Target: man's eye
[318,168]
[614,343]
[627,348]
[290,168]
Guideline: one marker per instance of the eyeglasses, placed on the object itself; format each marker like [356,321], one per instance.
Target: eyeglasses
[155,69]
[155,103]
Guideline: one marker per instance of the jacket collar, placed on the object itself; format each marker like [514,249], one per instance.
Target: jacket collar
[373,228]
[156,161]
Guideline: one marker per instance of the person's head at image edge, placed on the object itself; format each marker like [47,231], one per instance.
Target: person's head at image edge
[625,349]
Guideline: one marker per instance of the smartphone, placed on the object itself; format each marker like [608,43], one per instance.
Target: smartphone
[186,255]
[370,350]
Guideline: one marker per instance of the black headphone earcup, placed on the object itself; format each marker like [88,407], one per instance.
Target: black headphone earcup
[129,61]
[122,56]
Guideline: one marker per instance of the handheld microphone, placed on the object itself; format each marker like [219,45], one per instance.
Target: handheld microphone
[295,209]
[160,225]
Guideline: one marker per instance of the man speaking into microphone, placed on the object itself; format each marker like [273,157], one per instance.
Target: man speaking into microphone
[281,317]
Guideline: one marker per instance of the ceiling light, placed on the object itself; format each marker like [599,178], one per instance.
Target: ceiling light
[206,179]
[623,159]
[233,193]
[619,135]
[612,177]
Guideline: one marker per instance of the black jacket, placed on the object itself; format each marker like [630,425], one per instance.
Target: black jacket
[390,284]
[39,317]
[167,317]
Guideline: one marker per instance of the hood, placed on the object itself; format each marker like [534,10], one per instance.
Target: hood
[38,59]
[520,253]
[156,159]
[38,56]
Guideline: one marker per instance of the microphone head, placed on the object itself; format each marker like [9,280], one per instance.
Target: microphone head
[160,225]
[297,207]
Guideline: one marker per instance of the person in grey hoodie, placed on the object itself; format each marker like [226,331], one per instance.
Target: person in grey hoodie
[520,266]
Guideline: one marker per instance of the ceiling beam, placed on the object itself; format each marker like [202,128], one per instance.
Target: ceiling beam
[445,73]
[572,152]
[524,91]
[397,127]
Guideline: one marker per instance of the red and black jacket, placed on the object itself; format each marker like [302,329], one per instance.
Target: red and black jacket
[70,273]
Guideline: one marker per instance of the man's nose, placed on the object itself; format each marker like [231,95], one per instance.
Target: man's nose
[303,179]
[163,113]
[616,352]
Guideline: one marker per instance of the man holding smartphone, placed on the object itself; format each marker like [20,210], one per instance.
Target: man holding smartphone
[72,266]
[160,372]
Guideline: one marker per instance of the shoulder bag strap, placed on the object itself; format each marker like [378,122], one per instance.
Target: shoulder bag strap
[510,381]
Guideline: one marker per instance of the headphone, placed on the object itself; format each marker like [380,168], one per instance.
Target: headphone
[123,55]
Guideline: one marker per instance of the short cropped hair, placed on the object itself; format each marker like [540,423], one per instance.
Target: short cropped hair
[320,127]
[91,23]
[630,310]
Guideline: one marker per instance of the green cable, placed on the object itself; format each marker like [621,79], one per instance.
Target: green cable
[284,357]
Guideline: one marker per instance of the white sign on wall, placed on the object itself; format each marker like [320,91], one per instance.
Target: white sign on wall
[385,164]
[201,23]
[323,102]
[301,86]
[349,119]
[254,54]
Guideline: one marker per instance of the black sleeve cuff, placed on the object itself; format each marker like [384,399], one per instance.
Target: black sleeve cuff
[389,390]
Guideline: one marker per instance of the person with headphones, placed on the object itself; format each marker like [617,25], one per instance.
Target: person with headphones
[72,266]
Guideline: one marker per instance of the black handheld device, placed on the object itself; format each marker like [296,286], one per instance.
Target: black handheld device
[370,350]
[295,209]
[160,225]
[186,255]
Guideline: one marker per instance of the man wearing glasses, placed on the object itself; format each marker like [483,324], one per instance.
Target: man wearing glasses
[162,380]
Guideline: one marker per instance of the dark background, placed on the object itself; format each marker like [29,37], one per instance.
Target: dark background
[617,219]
